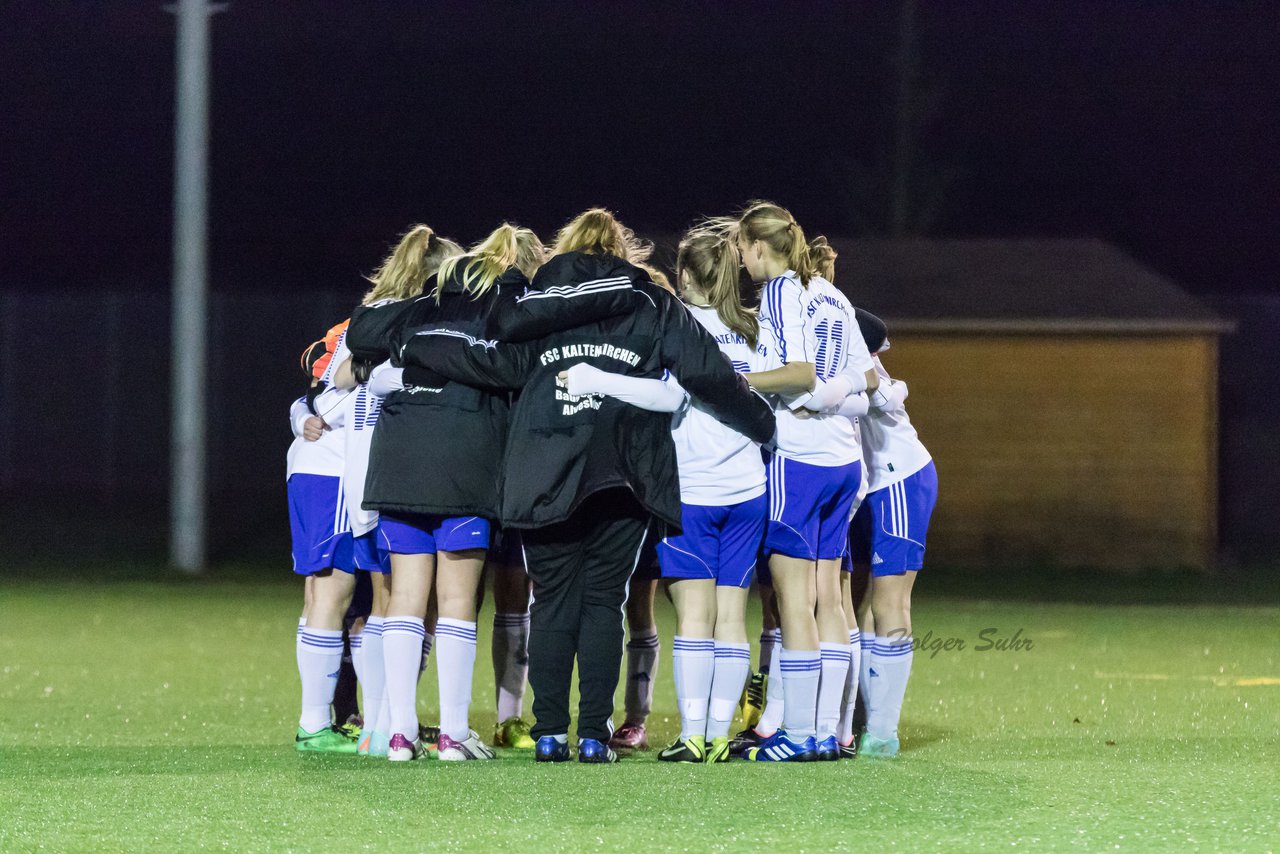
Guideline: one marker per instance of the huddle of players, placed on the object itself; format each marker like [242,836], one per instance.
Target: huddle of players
[842,433]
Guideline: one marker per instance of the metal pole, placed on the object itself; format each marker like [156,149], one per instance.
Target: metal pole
[190,288]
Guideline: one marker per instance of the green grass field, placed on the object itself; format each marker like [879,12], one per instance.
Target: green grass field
[158,716]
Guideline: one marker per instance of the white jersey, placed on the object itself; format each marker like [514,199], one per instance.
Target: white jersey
[893,450]
[817,325]
[355,423]
[718,466]
[324,456]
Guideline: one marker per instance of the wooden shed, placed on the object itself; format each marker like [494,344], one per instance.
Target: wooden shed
[1067,393]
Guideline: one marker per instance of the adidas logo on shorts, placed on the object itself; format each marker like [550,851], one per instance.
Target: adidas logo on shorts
[875,559]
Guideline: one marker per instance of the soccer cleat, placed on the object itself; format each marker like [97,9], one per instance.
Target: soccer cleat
[402,749]
[595,752]
[828,749]
[459,751]
[379,742]
[353,726]
[331,739]
[751,706]
[744,741]
[630,737]
[850,750]
[551,749]
[428,734]
[871,746]
[718,750]
[513,732]
[692,749]
[779,748]
[362,744]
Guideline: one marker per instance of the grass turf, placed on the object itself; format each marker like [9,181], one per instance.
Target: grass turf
[159,715]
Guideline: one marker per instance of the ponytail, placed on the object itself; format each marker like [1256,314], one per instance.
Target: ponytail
[598,232]
[708,259]
[506,247]
[417,256]
[780,232]
[822,255]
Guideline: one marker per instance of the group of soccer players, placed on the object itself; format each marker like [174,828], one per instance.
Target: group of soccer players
[474,389]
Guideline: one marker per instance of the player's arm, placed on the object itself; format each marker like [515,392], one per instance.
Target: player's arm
[440,353]
[889,395]
[690,353]
[371,334]
[535,314]
[664,395]
[785,325]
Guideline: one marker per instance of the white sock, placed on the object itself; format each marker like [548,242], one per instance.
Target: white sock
[801,671]
[642,671]
[890,670]
[455,666]
[835,676]
[694,664]
[769,639]
[732,668]
[373,682]
[849,702]
[864,678]
[428,640]
[319,657]
[402,654]
[356,642]
[775,699]
[510,662]
[297,643]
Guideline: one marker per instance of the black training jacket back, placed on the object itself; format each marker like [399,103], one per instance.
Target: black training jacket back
[437,448]
[562,449]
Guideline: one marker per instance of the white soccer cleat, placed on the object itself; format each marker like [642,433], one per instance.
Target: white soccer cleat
[460,751]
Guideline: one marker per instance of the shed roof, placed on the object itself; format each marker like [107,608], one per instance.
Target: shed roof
[1051,285]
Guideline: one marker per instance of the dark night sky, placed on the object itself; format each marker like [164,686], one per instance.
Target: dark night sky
[336,124]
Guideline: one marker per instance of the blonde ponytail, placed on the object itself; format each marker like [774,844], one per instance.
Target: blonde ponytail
[708,259]
[598,232]
[779,230]
[417,256]
[506,246]
[822,255]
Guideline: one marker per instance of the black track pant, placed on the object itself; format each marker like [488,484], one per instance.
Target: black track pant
[580,568]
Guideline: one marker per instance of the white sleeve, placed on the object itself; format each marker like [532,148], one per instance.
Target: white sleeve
[787,325]
[331,406]
[298,415]
[890,395]
[855,406]
[656,395]
[829,394]
[385,378]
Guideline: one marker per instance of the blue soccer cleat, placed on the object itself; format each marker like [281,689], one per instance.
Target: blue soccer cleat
[779,748]
[595,752]
[551,749]
[828,749]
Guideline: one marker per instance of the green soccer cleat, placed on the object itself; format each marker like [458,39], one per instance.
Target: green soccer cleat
[352,728]
[331,739]
[513,732]
[718,751]
[872,747]
[692,749]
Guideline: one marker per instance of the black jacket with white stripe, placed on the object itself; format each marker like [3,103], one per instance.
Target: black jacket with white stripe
[437,447]
[563,449]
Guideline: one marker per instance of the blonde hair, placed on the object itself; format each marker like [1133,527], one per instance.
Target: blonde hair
[709,257]
[417,256]
[598,232]
[779,230]
[822,255]
[506,246]
[658,277]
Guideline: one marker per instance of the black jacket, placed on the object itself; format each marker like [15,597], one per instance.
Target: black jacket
[437,448]
[561,449]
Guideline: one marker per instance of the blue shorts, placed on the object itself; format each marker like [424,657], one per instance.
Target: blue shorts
[810,508]
[890,527]
[717,543]
[322,537]
[426,535]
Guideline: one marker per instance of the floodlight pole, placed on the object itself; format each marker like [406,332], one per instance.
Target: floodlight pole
[190,286]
